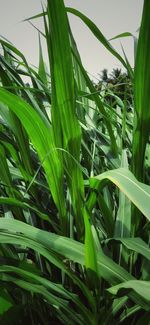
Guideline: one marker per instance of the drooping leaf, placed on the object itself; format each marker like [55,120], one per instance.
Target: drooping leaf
[98,34]
[39,131]
[137,192]
[140,287]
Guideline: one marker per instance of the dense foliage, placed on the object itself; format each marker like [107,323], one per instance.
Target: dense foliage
[74,182]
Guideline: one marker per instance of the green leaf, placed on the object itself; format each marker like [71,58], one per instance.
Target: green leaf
[49,244]
[67,132]
[42,70]
[123,218]
[141,95]
[140,287]
[125,34]
[40,134]
[5,173]
[24,205]
[36,16]
[137,245]
[137,192]
[58,292]
[90,251]
[5,301]
[66,247]
[97,33]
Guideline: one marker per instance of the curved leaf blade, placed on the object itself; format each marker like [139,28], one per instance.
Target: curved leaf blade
[137,192]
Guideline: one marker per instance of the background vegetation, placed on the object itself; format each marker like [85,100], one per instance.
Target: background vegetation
[74,182]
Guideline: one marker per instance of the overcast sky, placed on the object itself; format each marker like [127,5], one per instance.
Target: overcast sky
[111,16]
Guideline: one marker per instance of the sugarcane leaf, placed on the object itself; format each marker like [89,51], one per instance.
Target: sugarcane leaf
[98,34]
[90,250]
[49,244]
[66,128]
[140,287]
[42,70]
[24,205]
[55,289]
[40,133]
[137,245]
[141,95]
[137,192]
[125,34]
[123,218]
[67,247]
[36,16]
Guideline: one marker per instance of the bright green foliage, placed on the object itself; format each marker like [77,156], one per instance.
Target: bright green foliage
[66,128]
[74,182]
[141,92]
[137,192]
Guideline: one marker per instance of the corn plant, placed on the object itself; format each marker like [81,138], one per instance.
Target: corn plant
[74,182]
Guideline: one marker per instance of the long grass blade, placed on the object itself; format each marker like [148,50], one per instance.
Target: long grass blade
[141,95]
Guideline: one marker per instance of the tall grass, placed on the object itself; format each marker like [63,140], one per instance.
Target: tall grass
[74,191]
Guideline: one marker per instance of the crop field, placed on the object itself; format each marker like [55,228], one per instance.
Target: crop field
[74,181]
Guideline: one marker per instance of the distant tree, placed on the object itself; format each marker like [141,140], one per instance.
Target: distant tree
[117,81]
[104,75]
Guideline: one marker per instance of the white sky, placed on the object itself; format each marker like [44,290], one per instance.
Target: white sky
[111,16]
